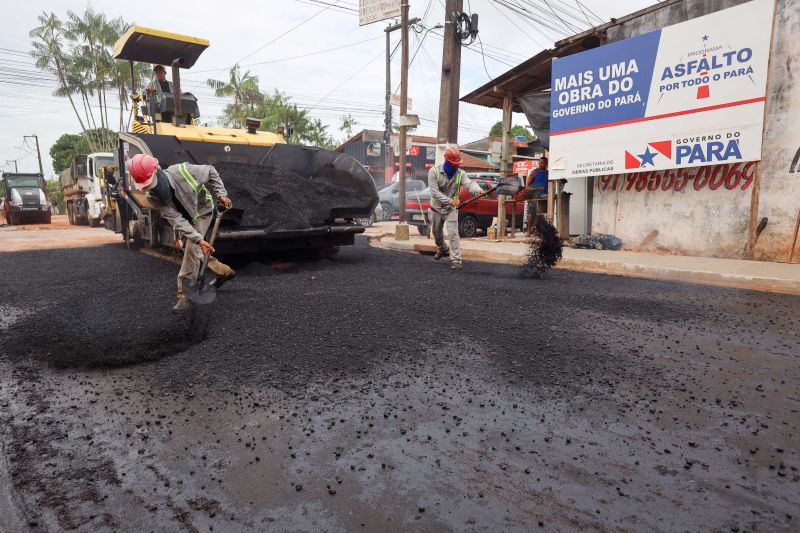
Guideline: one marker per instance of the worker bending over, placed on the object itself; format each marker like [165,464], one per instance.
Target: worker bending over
[179,193]
[445,183]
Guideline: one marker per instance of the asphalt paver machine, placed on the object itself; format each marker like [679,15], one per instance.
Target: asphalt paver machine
[166,126]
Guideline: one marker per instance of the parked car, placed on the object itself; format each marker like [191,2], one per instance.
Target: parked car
[389,196]
[475,216]
[377,214]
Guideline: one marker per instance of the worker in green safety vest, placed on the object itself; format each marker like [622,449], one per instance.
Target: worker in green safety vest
[182,196]
[445,183]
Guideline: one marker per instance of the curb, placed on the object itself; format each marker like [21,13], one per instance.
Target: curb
[600,266]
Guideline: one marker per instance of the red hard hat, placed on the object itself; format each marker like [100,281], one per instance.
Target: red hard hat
[143,168]
[453,155]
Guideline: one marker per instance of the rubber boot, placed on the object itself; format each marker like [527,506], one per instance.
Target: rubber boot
[183,305]
[441,253]
[227,274]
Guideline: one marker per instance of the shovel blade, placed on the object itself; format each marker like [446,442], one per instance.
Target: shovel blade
[199,292]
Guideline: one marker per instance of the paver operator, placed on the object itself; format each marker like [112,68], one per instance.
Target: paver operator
[180,194]
[445,182]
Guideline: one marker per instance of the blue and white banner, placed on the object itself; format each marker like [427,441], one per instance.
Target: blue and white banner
[687,95]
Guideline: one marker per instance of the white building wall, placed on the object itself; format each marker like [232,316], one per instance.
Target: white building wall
[714,222]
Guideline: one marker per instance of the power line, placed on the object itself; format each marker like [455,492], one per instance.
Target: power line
[368,63]
[287,31]
[297,56]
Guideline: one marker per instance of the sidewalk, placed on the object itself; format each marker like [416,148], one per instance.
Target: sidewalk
[755,275]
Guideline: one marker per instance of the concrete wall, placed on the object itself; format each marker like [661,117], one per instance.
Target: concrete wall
[780,188]
[708,216]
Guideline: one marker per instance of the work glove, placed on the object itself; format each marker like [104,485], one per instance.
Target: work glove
[205,247]
[224,202]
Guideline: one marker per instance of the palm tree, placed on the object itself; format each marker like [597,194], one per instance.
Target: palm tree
[317,135]
[348,122]
[92,29]
[245,92]
[49,55]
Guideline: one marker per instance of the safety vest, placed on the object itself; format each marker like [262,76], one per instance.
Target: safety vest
[459,173]
[198,189]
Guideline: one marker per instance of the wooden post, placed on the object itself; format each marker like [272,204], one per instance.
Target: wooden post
[505,161]
[794,241]
[451,76]
[752,224]
[551,194]
[403,108]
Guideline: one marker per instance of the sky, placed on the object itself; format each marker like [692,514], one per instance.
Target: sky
[311,50]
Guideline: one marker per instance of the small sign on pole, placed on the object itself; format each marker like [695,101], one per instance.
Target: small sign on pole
[394,100]
[370,11]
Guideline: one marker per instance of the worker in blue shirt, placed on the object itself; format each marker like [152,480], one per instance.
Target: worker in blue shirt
[538,181]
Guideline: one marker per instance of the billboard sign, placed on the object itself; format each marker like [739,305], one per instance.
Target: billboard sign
[370,11]
[687,95]
[523,167]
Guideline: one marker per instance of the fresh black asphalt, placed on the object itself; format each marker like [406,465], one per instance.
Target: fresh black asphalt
[379,391]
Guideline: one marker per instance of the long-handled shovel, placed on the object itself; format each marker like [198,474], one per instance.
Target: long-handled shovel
[200,290]
[507,186]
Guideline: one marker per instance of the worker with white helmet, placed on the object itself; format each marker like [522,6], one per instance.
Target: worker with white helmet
[445,182]
[181,194]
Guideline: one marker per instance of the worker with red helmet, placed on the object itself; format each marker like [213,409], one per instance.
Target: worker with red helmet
[181,195]
[445,183]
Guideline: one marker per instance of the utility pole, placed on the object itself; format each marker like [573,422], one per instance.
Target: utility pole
[38,152]
[388,156]
[403,106]
[387,123]
[451,76]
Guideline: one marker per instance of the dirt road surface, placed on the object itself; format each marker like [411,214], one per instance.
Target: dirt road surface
[379,391]
[58,234]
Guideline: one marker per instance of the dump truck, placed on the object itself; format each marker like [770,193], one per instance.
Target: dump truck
[24,199]
[81,184]
[166,126]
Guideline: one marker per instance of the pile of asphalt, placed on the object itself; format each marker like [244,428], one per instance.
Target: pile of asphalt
[102,319]
[276,199]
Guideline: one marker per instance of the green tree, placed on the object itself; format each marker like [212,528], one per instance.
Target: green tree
[246,96]
[65,148]
[517,130]
[348,123]
[78,52]
[55,196]
[48,51]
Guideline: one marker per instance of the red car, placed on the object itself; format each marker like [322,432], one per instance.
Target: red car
[475,216]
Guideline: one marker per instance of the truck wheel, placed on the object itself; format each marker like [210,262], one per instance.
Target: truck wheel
[423,230]
[387,211]
[134,235]
[14,219]
[94,222]
[468,227]
[46,218]
[70,215]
